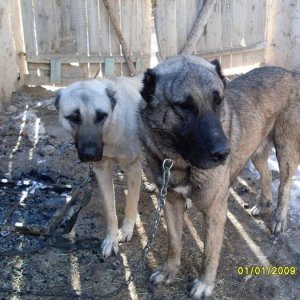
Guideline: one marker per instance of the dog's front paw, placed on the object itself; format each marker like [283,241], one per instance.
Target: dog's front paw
[261,208]
[188,203]
[201,290]
[278,221]
[164,275]
[126,232]
[109,246]
[256,210]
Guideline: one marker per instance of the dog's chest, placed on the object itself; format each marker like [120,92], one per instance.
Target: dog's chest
[183,190]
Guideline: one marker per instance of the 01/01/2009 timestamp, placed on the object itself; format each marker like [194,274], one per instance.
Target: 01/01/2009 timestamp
[271,270]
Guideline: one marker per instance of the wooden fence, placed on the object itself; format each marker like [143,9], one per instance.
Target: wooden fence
[69,40]
[234,33]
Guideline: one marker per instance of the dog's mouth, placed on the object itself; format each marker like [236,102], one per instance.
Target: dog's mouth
[90,159]
[90,154]
[204,164]
[205,159]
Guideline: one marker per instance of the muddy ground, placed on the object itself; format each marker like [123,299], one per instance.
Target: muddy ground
[71,266]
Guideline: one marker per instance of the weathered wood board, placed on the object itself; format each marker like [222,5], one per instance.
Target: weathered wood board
[80,32]
[234,33]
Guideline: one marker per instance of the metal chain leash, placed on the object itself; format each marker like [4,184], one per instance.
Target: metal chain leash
[87,185]
[90,179]
[167,166]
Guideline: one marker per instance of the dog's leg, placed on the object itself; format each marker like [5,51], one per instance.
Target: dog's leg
[260,161]
[174,212]
[134,173]
[288,157]
[214,219]
[103,172]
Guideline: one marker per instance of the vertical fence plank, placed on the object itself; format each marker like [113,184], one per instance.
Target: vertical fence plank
[238,30]
[181,24]
[81,26]
[192,9]
[82,32]
[171,28]
[115,44]
[28,26]
[261,20]
[93,26]
[261,28]
[212,35]
[226,31]
[105,43]
[126,17]
[136,27]
[46,26]
[146,28]
[160,20]
[67,27]
[93,33]
[166,30]
[104,38]
[252,32]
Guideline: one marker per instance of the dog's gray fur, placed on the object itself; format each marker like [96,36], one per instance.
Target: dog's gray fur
[259,108]
[101,115]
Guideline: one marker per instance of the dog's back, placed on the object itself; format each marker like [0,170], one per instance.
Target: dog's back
[260,101]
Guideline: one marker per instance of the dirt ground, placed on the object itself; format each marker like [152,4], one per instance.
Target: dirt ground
[71,267]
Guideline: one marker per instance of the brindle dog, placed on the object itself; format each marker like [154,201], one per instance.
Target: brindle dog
[210,132]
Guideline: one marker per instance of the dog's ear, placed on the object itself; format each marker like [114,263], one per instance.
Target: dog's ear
[111,94]
[149,83]
[57,98]
[216,63]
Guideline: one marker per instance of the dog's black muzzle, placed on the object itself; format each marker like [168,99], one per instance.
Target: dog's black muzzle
[89,144]
[90,153]
[202,142]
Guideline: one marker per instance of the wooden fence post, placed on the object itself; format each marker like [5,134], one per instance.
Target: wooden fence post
[283,34]
[121,38]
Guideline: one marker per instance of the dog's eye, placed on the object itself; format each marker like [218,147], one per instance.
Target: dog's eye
[100,116]
[217,98]
[187,104]
[74,118]
[184,105]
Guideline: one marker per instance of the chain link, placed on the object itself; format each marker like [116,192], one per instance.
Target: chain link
[167,166]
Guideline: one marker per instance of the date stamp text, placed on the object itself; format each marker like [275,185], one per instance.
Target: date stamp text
[271,270]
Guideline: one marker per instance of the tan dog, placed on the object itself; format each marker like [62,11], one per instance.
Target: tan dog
[210,132]
[101,116]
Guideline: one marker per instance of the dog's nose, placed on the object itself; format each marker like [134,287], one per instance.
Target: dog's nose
[220,154]
[90,154]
